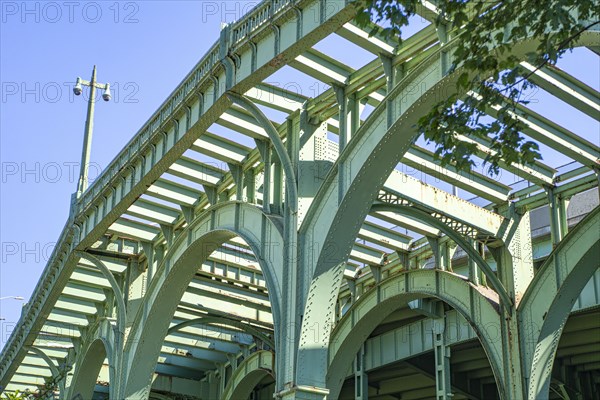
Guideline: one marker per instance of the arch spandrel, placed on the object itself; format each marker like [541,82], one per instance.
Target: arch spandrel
[211,229]
[374,306]
[96,348]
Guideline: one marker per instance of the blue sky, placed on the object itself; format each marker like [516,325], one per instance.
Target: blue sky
[144,49]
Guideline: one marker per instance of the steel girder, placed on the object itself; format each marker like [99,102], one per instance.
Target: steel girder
[567,88]
[414,339]
[460,215]
[228,322]
[553,135]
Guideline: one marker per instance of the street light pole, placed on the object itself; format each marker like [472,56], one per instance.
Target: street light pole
[87,138]
[12,297]
[89,126]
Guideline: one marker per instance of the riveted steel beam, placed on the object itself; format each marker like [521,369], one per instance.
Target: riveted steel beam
[410,224]
[73,304]
[373,43]
[174,192]
[89,277]
[458,213]
[200,358]
[535,172]
[244,326]
[204,292]
[182,365]
[133,230]
[322,67]
[566,190]
[279,98]
[242,122]
[58,329]
[565,87]
[548,132]
[220,148]
[68,317]
[196,171]
[471,181]
[384,237]
[218,340]
[154,212]
[365,255]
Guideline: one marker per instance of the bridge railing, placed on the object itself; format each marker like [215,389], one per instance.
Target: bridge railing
[153,127]
[258,16]
[239,31]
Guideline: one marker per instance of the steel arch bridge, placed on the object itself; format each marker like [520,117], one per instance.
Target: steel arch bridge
[294,255]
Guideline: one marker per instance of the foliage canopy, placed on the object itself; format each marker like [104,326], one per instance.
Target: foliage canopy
[489,75]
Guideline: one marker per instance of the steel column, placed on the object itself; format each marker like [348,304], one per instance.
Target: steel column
[443,385]
[361,379]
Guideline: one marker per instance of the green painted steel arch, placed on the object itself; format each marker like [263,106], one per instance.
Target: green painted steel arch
[546,305]
[368,159]
[192,247]
[53,369]
[456,237]
[374,306]
[96,348]
[119,299]
[248,374]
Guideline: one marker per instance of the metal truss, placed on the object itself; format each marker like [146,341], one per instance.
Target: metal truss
[216,261]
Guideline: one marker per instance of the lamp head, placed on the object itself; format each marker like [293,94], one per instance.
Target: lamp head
[77,89]
[106,95]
